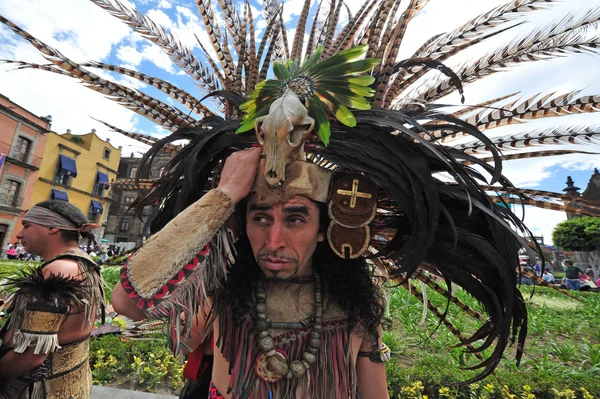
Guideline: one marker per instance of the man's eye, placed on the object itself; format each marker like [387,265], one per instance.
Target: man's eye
[296,220]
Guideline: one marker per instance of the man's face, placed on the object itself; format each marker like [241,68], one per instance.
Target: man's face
[34,237]
[284,236]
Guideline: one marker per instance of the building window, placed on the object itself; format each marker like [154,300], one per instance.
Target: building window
[95,211]
[59,195]
[132,173]
[124,226]
[101,184]
[10,193]
[67,169]
[128,200]
[121,239]
[106,154]
[21,150]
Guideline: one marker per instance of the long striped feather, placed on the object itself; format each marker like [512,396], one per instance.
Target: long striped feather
[183,97]
[547,42]
[347,36]
[180,55]
[214,35]
[571,135]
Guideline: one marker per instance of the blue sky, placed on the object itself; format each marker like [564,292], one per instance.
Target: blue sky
[82,31]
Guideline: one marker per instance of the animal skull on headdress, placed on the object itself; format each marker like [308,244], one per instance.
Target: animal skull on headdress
[282,134]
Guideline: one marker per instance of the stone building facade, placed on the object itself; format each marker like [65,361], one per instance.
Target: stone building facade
[124,227]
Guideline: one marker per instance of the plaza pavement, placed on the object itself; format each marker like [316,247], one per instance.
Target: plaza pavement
[99,392]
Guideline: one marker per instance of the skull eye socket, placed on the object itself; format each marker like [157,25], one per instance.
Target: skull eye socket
[260,134]
[297,134]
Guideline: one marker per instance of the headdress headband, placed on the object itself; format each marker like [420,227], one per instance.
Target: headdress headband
[46,217]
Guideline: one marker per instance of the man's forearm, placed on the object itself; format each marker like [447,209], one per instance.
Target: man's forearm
[14,365]
[123,305]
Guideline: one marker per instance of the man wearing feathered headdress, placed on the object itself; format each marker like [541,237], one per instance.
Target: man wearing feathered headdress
[292,303]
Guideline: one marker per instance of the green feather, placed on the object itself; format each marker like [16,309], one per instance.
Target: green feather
[312,61]
[339,86]
[343,57]
[341,112]
[349,68]
[361,80]
[316,110]
[281,72]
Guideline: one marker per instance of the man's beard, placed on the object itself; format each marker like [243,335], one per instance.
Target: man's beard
[274,275]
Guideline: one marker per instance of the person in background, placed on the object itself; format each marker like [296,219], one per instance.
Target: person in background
[572,275]
[45,342]
[11,253]
[590,272]
[5,254]
[103,256]
[548,277]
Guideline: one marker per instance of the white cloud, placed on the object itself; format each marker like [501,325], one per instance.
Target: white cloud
[159,58]
[130,54]
[159,17]
[164,4]
[541,222]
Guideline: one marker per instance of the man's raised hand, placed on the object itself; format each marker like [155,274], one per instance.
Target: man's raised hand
[239,172]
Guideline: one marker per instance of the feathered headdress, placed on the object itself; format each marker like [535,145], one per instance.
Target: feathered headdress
[343,110]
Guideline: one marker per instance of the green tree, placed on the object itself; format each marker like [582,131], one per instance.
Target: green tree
[580,234]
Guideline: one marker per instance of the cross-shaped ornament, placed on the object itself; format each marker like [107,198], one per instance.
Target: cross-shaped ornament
[354,194]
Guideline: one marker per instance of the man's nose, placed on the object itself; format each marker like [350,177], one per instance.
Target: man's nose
[275,237]
[20,235]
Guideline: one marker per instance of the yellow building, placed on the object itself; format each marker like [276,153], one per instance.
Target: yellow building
[78,169]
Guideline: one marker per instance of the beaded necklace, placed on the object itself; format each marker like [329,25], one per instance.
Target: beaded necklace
[273,364]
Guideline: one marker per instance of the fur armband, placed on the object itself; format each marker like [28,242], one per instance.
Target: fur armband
[38,309]
[378,355]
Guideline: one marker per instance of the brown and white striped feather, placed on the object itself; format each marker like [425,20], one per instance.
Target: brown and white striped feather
[392,47]
[547,42]
[214,34]
[252,74]
[180,55]
[298,44]
[233,23]
[181,96]
[315,30]
[571,135]
[329,43]
[573,200]
[587,211]
[142,138]
[348,34]
[376,26]
[532,154]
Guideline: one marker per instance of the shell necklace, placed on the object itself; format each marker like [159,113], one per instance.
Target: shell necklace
[273,364]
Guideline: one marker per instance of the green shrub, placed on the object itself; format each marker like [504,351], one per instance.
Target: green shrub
[145,363]
[111,275]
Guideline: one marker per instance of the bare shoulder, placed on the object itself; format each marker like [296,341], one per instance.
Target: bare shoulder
[62,267]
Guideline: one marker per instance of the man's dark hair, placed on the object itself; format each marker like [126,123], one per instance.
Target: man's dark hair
[568,262]
[72,214]
[348,282]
